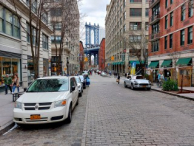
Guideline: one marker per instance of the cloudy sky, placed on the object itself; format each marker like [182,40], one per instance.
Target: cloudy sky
[93,11]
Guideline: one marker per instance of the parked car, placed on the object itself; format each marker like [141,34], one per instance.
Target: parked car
[47,100]
[83,80]
[104,74]
[137,81]
[80,85]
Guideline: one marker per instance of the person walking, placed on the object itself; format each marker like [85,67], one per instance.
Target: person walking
[118,78]
[15,83]
[7,82]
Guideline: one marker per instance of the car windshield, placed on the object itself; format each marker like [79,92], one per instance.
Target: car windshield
[78,80]
[139,77]
[49,85]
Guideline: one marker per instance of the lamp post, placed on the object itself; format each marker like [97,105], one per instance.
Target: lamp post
[67,66]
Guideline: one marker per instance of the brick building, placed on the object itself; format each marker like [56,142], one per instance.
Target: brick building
[81,56]
[101,55]
[171,48]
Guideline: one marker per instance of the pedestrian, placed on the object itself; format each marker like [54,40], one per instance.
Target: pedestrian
[125,75]
[118,78]
[159,79]
[15,83]
[7,82]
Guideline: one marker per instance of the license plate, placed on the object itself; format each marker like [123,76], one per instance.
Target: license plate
[144,85]
[35,117]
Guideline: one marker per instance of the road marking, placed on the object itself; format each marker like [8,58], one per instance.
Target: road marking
[14,127]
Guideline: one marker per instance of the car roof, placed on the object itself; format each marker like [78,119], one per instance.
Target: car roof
[55,77]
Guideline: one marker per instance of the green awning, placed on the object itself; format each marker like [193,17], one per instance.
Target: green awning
[166,63]
[122,63]
[137,61]
[183,61]
[153,64]
[113,63]
[119,63]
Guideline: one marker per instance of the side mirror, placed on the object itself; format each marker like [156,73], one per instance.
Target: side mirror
[25,89]
[72,88]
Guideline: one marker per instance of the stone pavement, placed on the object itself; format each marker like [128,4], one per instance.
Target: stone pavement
[125,117]
[6,111]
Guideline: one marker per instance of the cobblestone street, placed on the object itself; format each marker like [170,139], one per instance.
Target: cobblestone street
[115,116]
[120,116]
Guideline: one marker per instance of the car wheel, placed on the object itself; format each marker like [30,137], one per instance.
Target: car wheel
[125,85]
[85,87]
[148,89]
[77,101]
[132,88]
[69,115]
[80,94]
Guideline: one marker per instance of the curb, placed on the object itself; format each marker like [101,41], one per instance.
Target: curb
[83,142]
[181,96]
[6,127]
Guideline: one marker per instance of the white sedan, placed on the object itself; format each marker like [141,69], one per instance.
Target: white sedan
[47,100]
[137,81]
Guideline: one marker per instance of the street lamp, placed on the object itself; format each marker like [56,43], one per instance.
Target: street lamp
[67,66]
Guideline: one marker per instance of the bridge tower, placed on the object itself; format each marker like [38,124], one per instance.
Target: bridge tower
[89,28]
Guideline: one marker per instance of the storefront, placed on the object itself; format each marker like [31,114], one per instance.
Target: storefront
[154,65]
[9,64]
[167,68]
[184,71]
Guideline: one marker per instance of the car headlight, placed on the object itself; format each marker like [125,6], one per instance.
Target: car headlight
[59,103]
[135,82]
[18,105]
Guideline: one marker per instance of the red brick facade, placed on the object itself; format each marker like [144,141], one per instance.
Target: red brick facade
[81,56]
[101,55]
[169,24]
[178,25]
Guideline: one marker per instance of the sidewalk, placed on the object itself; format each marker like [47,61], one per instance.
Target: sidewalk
[6,111]
[189,96]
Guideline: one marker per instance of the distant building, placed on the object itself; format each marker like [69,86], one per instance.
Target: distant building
[123,16]
[81,56]
[15,50]
[68,17]
[171,47]
[101,55]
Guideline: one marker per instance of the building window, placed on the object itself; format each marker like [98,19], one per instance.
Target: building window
[166,3]
[166,22]
[190,9]
[9,23]
[155,46]
[33,34]
[182,37]
[171,40]
[56,39]
[135,25]
[147,12]
[135,38]
[171,1]
[44,41]
[183,12]
[56,12]
[165,42]
[34,6]
[124,28]
[135,1]
[124,15]
[190,35]
[136,12]
[171,19]
[45,18]
[147,26]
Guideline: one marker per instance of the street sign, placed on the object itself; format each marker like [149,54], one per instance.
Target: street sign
[112,58]
[65,68]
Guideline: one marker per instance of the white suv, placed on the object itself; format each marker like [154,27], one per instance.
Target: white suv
[47,100]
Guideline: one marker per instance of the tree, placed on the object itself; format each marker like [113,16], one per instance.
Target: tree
[65,15]
[175,57]
[38,15]
[137,43]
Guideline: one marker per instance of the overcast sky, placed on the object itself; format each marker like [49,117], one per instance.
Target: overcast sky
[94,11]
